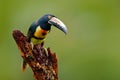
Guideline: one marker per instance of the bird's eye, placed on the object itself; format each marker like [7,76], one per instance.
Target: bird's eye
[43,33]
[49,17]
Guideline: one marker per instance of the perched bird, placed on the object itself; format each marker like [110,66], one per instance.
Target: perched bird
[40,28]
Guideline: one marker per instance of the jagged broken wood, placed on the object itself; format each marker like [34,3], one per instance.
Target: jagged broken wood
[42,62]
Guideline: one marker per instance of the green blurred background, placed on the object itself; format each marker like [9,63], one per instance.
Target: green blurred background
[90,51]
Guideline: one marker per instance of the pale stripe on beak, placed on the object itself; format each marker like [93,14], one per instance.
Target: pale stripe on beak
[58,23]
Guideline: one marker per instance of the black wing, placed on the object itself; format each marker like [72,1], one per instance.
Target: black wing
[31,31]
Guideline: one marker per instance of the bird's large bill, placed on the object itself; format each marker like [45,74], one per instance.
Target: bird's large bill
[58,23]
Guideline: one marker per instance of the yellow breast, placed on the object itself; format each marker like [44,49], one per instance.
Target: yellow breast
[40,33]
[36,41]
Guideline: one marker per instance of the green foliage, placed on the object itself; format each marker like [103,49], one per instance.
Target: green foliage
[90,51]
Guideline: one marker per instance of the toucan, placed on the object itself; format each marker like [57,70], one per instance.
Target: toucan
[39,29]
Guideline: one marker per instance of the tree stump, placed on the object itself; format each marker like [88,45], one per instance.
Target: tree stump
[42,61]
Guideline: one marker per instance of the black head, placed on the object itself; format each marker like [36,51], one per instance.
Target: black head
[43,21]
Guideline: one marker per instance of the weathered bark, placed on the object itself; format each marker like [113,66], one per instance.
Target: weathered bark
[42,61]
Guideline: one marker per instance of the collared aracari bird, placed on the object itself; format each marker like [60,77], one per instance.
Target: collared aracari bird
[40,28]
